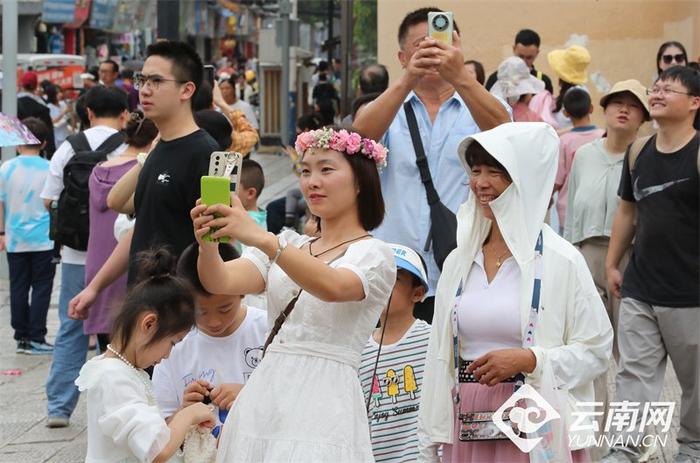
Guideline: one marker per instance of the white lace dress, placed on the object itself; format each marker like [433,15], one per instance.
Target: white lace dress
[123,421]
[304,403]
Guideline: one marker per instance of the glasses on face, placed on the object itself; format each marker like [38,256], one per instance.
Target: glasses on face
[153,81]
[665,91]
[668,59]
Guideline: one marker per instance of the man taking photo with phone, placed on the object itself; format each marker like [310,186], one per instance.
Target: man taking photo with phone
[448,104]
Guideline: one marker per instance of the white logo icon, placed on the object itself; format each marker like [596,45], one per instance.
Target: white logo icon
[536,408]
[164,178]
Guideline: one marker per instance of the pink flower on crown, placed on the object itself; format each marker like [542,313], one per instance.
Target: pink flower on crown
[379,154]
[339,140]
[368,147]
[353,143]
[304,141]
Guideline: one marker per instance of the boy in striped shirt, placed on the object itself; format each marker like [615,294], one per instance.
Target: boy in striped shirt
[391,374]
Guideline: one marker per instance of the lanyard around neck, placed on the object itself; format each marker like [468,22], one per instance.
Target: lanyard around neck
[528,335]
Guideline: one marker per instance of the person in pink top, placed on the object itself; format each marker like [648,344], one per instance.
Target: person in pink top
[578,107]
[516,85]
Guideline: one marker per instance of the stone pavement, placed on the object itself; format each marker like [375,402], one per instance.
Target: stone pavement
[24,438]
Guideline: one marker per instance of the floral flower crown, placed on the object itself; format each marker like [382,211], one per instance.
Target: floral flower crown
[343,141]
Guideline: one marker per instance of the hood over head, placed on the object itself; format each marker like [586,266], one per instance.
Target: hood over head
[529,152]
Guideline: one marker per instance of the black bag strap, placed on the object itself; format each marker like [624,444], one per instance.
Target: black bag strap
[113,142]
[79,142]
[421,160]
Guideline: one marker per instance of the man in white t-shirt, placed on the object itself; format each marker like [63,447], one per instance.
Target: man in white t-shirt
[216,358]
[107,111]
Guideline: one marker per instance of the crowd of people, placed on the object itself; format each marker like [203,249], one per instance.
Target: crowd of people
[409,286]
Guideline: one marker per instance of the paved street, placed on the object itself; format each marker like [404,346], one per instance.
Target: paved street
[24,437]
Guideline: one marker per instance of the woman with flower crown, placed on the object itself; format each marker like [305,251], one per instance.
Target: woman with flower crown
[304,401]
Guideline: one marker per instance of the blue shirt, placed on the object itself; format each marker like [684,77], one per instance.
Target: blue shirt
[26,219]
[407,219]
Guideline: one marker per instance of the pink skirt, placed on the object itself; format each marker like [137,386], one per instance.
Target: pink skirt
[477,397]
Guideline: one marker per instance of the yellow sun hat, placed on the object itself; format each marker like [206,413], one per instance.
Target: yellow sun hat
[570,64]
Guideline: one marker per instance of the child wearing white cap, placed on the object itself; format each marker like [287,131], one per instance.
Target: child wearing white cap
[393,362]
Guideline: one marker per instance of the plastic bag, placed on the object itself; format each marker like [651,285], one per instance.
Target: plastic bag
[554,444]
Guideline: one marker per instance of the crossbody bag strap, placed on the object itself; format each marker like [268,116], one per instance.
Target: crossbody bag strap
[282,317]
[421,160]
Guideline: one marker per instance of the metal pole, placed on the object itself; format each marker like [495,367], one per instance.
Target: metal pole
[9,65]
[346,56]
[284,10]
[331,11]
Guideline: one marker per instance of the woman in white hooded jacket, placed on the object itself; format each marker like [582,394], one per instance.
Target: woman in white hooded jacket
[486,294]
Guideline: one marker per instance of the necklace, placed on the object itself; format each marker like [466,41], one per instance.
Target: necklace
[336,246]
[499,262]
[139,372]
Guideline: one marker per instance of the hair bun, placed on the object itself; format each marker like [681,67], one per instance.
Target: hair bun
[155,263]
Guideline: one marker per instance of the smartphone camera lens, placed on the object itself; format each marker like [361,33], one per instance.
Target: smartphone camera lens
[440,22]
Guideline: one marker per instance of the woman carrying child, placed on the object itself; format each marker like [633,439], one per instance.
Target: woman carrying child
[304,401]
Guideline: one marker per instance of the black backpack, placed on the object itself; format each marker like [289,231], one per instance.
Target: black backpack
[73,219]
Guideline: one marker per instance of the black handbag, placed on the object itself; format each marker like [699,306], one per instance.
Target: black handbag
[443,222]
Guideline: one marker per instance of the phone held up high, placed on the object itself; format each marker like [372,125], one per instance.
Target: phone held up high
[209,74]
[440,26]
[224,176]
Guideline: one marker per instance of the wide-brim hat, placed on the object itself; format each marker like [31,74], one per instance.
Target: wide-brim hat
[570,64]
[635,88]
[514,79]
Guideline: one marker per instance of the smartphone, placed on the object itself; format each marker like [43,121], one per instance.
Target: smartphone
[229,163]
[209,74]
[440,26]
[215,190]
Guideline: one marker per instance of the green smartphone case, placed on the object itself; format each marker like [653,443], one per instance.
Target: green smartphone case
[216,190]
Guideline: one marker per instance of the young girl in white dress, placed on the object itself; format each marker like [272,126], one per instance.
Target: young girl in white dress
[304,401]
[123,420]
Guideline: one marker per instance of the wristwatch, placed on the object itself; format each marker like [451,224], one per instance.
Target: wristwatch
[281,246]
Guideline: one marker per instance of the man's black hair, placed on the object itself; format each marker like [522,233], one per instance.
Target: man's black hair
[577,102]
[527,37]
[374,78]
[684,75]
[115,66]
[106,102]
[688,78]
[187,64]
[416,17]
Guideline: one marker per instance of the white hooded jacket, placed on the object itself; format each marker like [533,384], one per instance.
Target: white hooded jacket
[573,332]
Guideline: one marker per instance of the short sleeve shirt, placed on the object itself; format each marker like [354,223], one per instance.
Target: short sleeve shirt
[663,269]
[26,218]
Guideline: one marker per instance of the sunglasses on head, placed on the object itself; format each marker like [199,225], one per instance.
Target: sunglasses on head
[679,58]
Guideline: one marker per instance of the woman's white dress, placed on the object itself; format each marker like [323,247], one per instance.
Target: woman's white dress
[304,403]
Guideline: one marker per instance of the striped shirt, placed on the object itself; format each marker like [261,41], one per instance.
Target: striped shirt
[395,392]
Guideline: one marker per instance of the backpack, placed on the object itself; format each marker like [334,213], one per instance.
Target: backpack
[72,217]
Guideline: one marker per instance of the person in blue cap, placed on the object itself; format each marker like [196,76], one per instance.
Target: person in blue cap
[393,361]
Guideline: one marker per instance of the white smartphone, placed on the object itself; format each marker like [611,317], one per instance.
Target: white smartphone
[226,164]
[440,26]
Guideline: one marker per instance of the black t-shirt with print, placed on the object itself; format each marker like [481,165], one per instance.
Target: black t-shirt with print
[663,269]
[167,189]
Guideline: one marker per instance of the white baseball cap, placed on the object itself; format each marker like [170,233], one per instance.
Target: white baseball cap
[409,260]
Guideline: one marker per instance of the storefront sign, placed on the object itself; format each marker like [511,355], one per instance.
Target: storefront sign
[58,11]
[102,14]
